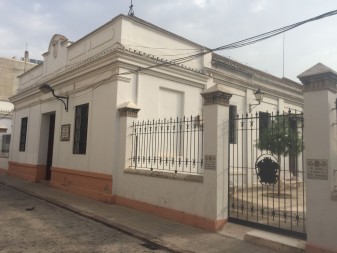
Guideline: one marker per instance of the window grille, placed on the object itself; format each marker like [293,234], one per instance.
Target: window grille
[23,134]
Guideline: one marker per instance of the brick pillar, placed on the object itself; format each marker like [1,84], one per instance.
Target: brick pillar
[216,118]
[320,88]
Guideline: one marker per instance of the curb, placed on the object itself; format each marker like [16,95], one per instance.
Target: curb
[148,240]
[277,242]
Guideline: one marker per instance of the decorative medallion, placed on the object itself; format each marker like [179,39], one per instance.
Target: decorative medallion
[267,170]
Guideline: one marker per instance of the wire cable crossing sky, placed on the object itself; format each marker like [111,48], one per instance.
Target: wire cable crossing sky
[207,22]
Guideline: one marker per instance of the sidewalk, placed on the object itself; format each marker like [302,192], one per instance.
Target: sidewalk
[174,236]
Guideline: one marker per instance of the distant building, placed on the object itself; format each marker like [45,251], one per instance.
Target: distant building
[10,69]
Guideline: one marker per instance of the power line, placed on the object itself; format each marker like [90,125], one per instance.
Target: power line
[260,37]
[234,45]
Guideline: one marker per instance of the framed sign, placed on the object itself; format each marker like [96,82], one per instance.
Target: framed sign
[317,169]
[65,132]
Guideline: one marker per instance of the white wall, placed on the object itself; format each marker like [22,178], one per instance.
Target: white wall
[158,92]
[321,143]
[162,44]
[150,98]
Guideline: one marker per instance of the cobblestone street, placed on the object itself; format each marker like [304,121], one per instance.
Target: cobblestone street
[32,225]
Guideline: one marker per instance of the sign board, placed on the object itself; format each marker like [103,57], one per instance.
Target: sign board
[65,132]
[210,162]
[317,169]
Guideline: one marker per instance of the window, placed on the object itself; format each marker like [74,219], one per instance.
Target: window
[23,134]
[264,122]
[6,140]
[293,157]
[81,128]
[233,123]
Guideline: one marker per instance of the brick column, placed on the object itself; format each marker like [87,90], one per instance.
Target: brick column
[216,118]
[320,88]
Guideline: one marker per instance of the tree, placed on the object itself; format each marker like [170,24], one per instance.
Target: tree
[281,137]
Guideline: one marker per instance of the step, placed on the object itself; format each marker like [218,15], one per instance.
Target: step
[276,242]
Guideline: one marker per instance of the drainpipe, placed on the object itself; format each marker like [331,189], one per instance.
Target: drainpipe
[137,87]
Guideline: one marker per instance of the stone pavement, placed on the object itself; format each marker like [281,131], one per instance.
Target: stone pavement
[174,236]
[31,225]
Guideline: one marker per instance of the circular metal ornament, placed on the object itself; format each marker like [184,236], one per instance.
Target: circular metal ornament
[267,169]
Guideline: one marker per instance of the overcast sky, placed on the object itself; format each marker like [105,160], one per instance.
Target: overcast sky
[211,23]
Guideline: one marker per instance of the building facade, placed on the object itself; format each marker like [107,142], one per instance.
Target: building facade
[75,135]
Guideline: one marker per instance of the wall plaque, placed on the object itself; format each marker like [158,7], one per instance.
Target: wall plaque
[210,162]
[317,169]
[65,132]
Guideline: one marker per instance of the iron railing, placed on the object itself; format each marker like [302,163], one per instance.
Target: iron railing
[174,145]
[266,172]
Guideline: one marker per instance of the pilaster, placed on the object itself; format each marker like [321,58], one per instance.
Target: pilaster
[216,118]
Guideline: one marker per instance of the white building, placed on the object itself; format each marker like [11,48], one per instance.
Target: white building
[77,143]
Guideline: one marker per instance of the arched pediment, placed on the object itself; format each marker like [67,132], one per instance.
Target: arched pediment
[56,41]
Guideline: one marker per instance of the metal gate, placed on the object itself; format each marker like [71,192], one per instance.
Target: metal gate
[266,177]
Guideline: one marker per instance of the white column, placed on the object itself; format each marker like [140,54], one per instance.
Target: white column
[128,113]
[216,118]
[320,158]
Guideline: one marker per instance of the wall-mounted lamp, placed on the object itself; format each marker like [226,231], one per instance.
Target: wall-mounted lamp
[45,88]
[258,96]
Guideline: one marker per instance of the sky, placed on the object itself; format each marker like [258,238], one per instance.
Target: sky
[211,23]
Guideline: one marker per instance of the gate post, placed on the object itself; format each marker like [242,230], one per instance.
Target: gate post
[320,128]
[216,129]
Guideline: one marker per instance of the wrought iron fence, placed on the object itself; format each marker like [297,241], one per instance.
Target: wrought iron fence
[266,172]
[174,145]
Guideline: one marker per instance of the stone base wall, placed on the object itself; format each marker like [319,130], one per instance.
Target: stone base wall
[311,248]
[30,172]
[178,216]
[3,171]
[89,184]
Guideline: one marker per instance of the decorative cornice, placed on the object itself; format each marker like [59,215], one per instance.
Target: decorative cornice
[326,81]
[128,109]
[72,67]
[117,47]
[217,94]
[162,61]
[229,63]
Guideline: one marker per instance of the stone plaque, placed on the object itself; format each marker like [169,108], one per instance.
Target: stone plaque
[210,162]
[317,169]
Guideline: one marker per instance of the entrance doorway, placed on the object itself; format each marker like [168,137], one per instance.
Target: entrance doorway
[50,145]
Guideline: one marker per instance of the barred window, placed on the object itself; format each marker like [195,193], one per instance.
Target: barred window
[81,129]
[233,123]
[6,140]
[264,122]
[23,134]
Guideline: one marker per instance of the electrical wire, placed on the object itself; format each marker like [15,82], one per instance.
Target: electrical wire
[238,44]
[165,48]
[257,38]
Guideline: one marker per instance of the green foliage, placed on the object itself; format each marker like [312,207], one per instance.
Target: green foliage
[281,138]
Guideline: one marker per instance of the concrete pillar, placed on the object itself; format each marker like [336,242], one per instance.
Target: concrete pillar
[320,88]
[128,112]
[216,118]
